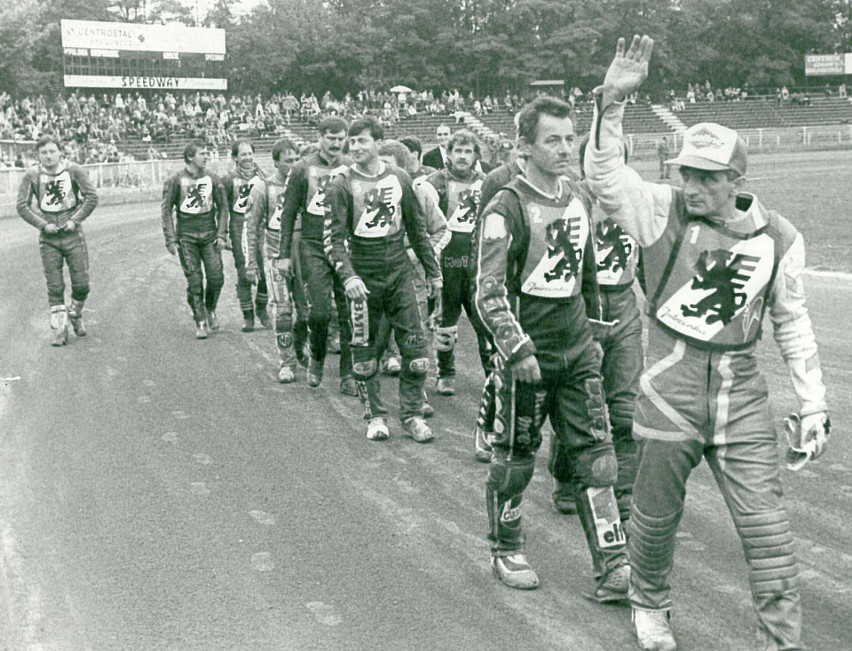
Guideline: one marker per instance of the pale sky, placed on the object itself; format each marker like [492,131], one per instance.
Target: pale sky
[242,6]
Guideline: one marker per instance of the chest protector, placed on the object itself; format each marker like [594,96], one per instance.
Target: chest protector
[558,232]
[714,288]
[376,205]
[318,177]
[616,254]
[56,193]
[242,193]
[196,195]
[463,204]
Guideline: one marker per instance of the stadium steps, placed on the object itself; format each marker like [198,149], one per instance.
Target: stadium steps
[669,118]
[767,114]
[480,128]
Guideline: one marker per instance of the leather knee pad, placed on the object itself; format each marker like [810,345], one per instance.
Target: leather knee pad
[651,541]
[80,292]
[596,466]
[769,550]
[510,476]
[596,408]
[364,363]
[504,492]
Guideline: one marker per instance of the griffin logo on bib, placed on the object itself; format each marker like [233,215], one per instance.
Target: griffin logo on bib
[195,195]
[378,208]
[55,193]
[724,274]
[614,247]
[315,206]
[467,206]
[563,240]
[241,204]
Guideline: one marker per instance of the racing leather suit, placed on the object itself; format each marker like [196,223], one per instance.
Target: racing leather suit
[63,196]
[701,393]
[458,199]
[617,256]
[533,251]
[304,199]
[374,214]
[200,207]
[267,198]
[439,236]
[238,189]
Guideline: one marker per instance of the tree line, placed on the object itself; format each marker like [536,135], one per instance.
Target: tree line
[483,46]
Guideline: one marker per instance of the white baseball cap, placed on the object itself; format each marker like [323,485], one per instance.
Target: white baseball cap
[710,146]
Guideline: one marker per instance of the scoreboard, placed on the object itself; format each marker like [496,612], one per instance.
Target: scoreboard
[134,56]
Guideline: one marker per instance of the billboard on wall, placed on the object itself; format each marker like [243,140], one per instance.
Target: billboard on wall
[133,37]
[133,56]
[828,64]
[147,82]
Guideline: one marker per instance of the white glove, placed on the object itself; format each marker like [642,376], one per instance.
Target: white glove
[816,429]
[806,437]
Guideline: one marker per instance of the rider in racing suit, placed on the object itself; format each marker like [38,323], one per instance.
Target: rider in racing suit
[65,197]
[304,198]
[266,206]
[395,153]
[197,200]
[456,191]
[533,251]
[238,188]
[617,257]
[715,260]
[370,208]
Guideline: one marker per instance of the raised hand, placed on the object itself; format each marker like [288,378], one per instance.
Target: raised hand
[628,69]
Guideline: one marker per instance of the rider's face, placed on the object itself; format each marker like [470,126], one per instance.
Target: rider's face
[201,157]
[48,155]
[708,193]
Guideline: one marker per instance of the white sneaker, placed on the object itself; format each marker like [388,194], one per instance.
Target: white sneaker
[286,375]
[212,321]
[514,571]
[391,366]
[417,429]
[653,631]
[377,429]
[446,386]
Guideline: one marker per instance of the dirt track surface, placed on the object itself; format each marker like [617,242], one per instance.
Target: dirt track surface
[157,492]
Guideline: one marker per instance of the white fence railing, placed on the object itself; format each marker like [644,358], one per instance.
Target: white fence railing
[644,145]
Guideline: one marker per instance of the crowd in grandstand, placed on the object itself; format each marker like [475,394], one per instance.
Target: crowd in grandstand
[115,116]
[94,125]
